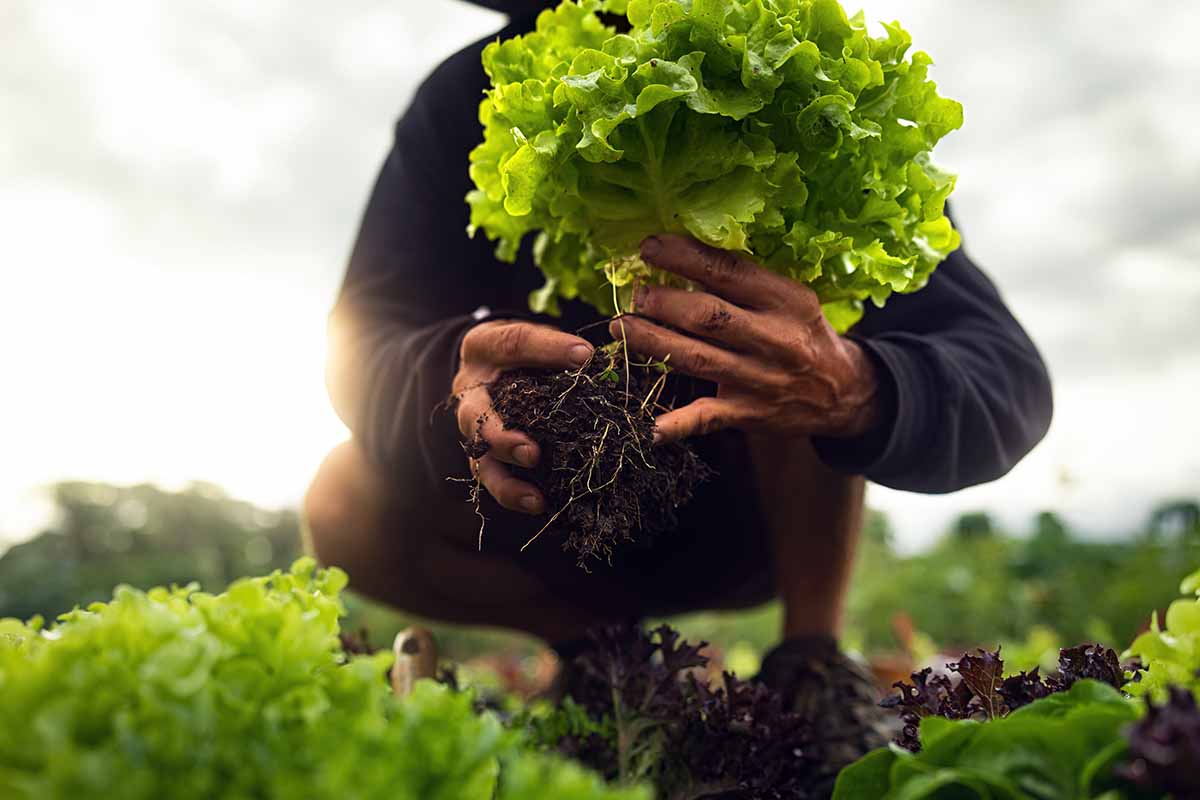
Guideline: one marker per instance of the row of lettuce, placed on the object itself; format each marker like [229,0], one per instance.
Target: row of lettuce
[1095,729]
[249,694]
[246,694]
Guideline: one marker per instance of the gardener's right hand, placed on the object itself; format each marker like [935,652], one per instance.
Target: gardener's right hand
[489,349]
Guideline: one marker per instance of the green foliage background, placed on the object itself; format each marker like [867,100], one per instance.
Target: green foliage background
[977,586]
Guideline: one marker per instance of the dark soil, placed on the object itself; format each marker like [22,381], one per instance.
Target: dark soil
[357,643]
[605,483]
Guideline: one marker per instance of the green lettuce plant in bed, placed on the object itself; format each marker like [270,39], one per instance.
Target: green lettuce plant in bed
[247,694]
[1092,730]
[1062,746]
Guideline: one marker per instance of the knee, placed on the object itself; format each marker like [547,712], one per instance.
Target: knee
[324,511]
[321,523]
[329,506]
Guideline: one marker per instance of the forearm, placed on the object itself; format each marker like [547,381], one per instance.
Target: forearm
[413,281]
[388,378]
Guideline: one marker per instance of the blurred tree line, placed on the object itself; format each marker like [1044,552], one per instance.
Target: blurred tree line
[104,535]
[977,586]
[141,535]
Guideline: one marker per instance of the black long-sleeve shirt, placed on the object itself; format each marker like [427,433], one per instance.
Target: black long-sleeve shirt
[969,395]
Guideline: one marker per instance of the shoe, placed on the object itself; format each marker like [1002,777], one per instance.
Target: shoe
[835,695]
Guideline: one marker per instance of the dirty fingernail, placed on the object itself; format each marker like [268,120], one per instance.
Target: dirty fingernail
[531,503]
[580,353]
[651,247]
[524,455]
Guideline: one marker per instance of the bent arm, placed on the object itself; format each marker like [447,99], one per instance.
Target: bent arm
[392,335]
[968,395]
[413,284]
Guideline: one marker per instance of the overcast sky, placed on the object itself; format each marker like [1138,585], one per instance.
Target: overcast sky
[180,185]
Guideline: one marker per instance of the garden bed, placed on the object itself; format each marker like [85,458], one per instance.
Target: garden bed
[255,693]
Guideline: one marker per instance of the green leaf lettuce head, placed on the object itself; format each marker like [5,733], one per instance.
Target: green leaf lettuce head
[247,694]
[778,128]
[1170,652]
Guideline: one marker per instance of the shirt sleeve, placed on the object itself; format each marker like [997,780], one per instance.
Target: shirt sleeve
[966,392]
[416,283]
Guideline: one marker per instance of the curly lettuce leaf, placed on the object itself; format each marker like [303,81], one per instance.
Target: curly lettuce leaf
[780,128]
[1170,651]
[246,694]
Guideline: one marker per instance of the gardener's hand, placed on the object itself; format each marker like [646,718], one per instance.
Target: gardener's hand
[778,364]
[489,349]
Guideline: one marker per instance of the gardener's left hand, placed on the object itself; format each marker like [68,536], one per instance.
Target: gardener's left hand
[778,364]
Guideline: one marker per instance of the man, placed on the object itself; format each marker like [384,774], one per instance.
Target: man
[939,390]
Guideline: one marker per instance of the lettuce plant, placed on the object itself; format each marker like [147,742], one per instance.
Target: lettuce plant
[779,128]
[1065,746]
[1075,734]
[247,694]
[982,692]
[637,712]
[1171,652]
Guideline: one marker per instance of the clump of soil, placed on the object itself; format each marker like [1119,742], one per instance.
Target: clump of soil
[605,483]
